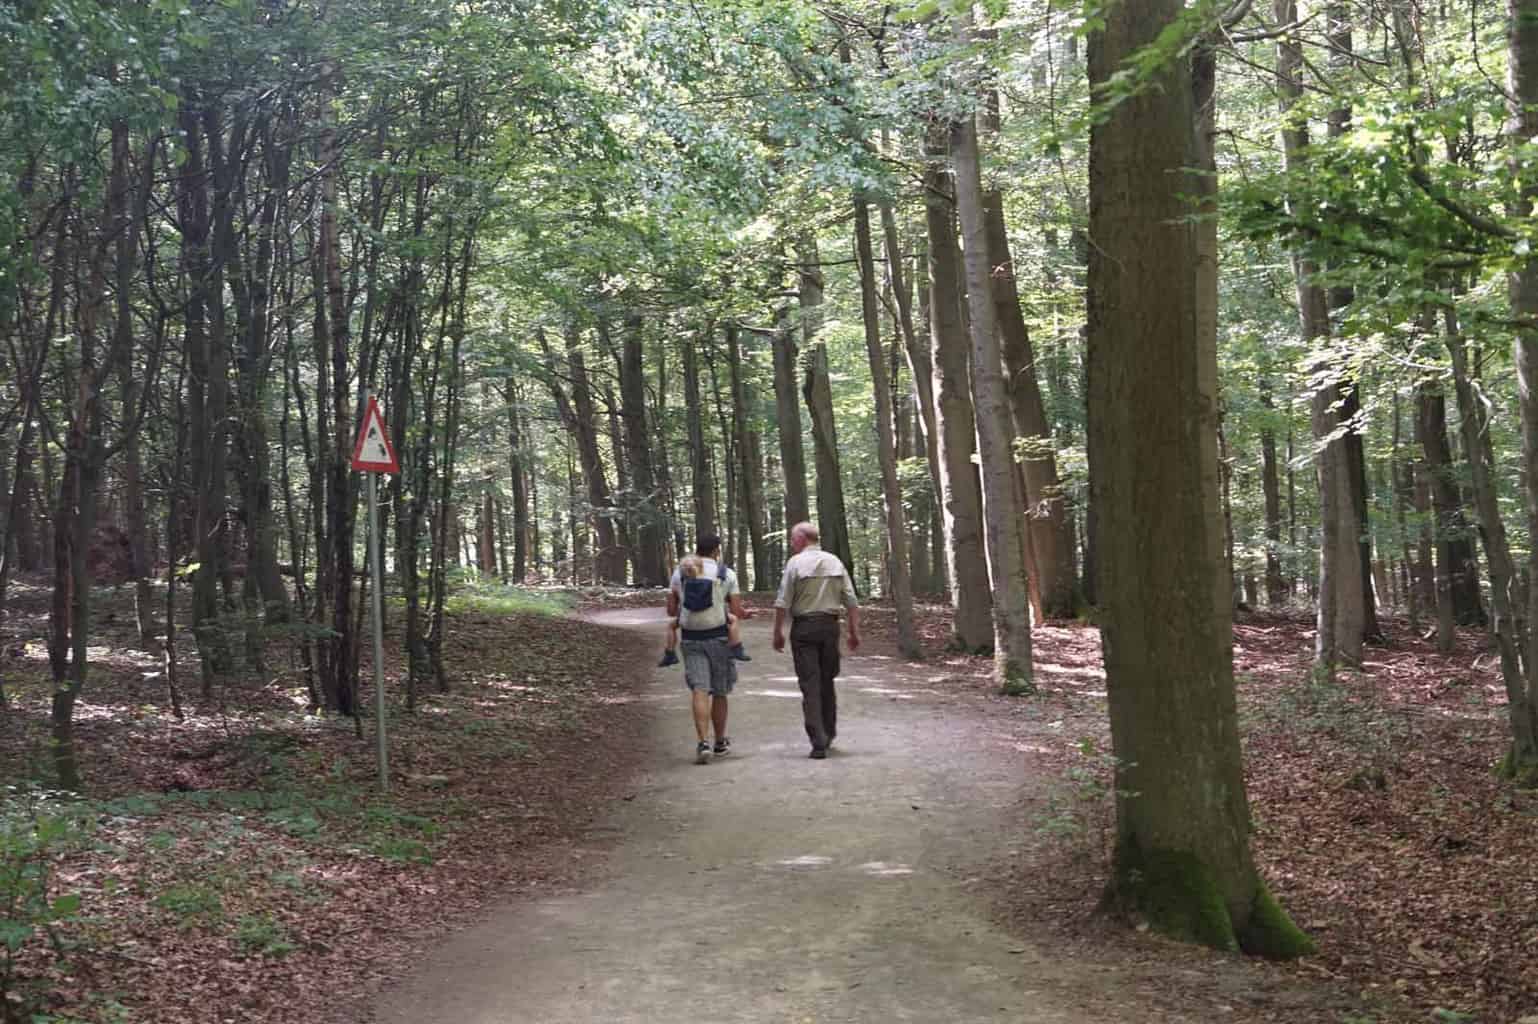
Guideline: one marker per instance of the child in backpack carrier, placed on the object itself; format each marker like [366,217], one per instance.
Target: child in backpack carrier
[692,568]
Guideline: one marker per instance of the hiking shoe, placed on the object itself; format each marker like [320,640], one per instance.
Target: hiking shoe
[740,653]
[723,746]
[702,753]
[819,753]
[669,657]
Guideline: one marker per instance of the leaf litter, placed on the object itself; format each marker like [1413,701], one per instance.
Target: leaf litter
[1379,821]
[241,867]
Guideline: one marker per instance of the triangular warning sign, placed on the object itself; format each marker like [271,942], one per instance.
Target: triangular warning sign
[373,453]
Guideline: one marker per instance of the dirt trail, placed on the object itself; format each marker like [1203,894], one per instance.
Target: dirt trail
[767,887]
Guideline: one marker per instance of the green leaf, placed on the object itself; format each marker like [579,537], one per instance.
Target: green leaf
[918,12]
[14,934]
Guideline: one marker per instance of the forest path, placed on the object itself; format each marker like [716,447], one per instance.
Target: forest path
[768,887]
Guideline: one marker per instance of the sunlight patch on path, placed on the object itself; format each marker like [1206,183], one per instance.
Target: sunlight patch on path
[808,860]
[884,691]
[881,869]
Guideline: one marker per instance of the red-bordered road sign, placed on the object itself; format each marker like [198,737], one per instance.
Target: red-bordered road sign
[373,453]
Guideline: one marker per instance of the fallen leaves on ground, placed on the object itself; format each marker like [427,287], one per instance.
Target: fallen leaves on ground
[242,868]
[1379,821]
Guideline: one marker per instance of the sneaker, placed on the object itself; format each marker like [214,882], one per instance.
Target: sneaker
[740,653]
[723,746]
[669,657]
[702,753]
[819,754]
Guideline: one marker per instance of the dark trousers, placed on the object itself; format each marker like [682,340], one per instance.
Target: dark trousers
[814,649]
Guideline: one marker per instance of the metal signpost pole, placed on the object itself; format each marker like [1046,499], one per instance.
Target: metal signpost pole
[373,455]
[379,694]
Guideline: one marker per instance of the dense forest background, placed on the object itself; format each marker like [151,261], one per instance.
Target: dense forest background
[622,274]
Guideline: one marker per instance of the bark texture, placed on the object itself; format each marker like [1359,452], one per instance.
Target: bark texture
[1182,855]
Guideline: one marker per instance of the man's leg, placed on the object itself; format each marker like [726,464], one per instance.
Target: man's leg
[701,708]
[697,674]
[830,667]
[806,652]
[718,715]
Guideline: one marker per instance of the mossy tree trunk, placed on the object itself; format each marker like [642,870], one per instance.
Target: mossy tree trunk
[1183,855]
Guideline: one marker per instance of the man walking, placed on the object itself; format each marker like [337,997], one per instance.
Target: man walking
[699,604]
[815,590]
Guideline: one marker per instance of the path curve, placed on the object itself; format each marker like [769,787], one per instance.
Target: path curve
[767,887]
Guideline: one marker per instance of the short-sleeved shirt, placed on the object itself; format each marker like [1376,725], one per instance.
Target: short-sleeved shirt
[713,618]
[815,583]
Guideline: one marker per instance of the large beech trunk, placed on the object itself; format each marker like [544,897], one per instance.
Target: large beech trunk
[1182,856]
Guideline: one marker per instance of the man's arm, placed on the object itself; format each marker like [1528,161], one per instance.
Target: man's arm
[673,606]
[851,612]
[781,601]
[734,596]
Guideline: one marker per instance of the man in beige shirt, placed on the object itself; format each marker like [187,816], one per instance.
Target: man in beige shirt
[815,590]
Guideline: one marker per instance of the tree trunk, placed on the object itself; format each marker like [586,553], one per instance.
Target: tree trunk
[787,408]
[817,390]
[886,442]
[703,484]
[1338,637]
[1451,530]
[1204,186]
[339,670]
[1271,487]
[651,570]
[920,362]
[581,419]
[1046,513]
[206,356]
[1521,128]
[1182,856]
[485,533]
[1509,628]
[1404,500]
[125,230]
[516,479]
[960,493]
[1003,521]
[254,368]
[624,494]
[923,355]
[1358,527]
[730,445]
[672,533]
[749,463]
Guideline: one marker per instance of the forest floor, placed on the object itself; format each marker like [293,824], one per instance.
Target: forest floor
[236,867]
[1379,822]
[239,867]
[767,887]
